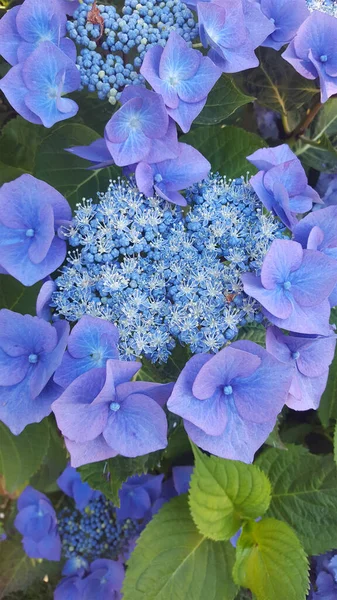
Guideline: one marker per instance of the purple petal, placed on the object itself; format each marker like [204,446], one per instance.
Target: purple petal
[304,67]
[179,173]
[160,392]
[197,87]
[13,86]
[43,300]
[9,37]
[138,427]
[89,452]
[309,320]
[96,152]
[276,301]
[310,392]
[282,259]
[36,20]
[91,334]
[265,158]
[144,178]
[181,479]
[317,273]
[186,112]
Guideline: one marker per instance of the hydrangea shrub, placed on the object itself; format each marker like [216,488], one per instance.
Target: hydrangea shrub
[168,295]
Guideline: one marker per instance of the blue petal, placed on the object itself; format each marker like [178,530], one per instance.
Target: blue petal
[9,37]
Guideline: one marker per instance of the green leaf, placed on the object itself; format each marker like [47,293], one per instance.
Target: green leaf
[226,148]
[271,562]
[54,462]
[66,172]
[254,333]
[93,112]
[18,571]
[19,142]
[225,492]
[335,444]
[328,406]
[320,155]
[21,455]
[276,84]
[17,297]
[109,475]
[304,494]
[173,561]
[223,100]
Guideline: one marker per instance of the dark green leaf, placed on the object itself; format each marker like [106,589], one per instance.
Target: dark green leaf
[328,406]
[54,462]
[17,297]
[226,148]
[223,100]
[19,142]
[173,561]
[304,494]
[66,172]
[271,562]
[108,476]
[93,112]
[21,455]
[254,333]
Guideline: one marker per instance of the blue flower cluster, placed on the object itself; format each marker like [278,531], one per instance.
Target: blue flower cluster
[325,585]
[328,6]
[95,532]
[107,37]
[163,277]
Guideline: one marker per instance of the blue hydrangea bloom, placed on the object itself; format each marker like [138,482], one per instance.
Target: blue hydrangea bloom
[313,52]
[36,521]
[31,213]
[44,300]
[68,6]
[294,287]
[181,479]
[229,401]
[97,153]
[91,343]
[182,76]
[77,565]
[30,351]
[318,231]
[327,188]
[310,359]
[325,577]
[233,30]
[138,130]
[70,588]
[35,87]
[167,177]
[286,16]
[71,484]
[328,6]
[282,184]
[104,581]
[24,27]
[137,495]
[162,277]
[102,414]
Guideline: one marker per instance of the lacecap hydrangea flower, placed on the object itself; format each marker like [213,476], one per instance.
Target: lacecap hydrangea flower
[103,581]
[282,184]
[70,483]
[163,277]
[233,30]
[91,343]
[313,52]
[324,577]
[328,6]
[35,87]
[286,16]
[24,27]
[102,413]
[30,351]
[229,401]
[182,76]
[310,358]
[137,495]
[294,287]
[31,215]
[36,521]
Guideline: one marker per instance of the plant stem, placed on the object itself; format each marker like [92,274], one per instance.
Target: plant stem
[304,124]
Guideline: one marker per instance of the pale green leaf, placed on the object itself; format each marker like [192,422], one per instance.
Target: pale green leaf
[54,462]
[271,562]
[225,492]
[173,561]
[304,494]
[226,148]
[222,101]
[21,455]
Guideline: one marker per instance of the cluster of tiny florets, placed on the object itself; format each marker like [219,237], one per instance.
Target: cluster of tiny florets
[163,277]
[327,6]
[106,45]
[95,532]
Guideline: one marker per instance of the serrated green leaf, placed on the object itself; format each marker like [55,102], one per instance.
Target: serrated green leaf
[223,100]
[304,494]
[18,571]
[21,455]
[225,492]
[107,476]
[328,406]
[226,148]
[173,561]
[66,172]
[54,462]
[271,562]
[276,84]
[18,297]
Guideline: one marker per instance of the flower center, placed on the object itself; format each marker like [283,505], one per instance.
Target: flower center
[287,285]
[30,232]
[53,93]
[323,58]
[134,123]
[114,406]
[228,390]
[158,178]
[173,80]
[295,355]
[33,358]
[97,356]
